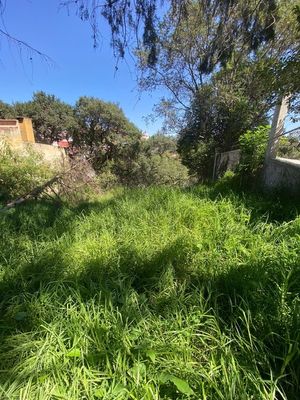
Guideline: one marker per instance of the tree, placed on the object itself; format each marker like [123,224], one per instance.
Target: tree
[136,23]
[52,118]
[5,110]
[213,35]
[220,112]
[160,144]
[104,132]
[231,95]
[156,163]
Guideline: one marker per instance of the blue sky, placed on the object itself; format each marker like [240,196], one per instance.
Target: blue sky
[77,69]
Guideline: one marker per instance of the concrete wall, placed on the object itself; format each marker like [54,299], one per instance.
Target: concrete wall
[225,161]
[18,134]
[282,173]
[16,130]
[54,156]
[10,131]
[25,125]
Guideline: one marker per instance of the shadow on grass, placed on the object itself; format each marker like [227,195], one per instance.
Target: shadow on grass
[252,283]
[250,287]
[40,215]
[276,206]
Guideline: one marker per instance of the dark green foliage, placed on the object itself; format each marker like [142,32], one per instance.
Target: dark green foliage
[238,42]
[160,144]
[224,64]
[156,163]
[198,156]
[104,132]
[233,24]
[289,147]
[5,110]
[215,122]
[158,170]
[52,119]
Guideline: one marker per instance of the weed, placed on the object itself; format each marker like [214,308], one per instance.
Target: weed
[149,294]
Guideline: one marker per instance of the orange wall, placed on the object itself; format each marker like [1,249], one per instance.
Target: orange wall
[26,130]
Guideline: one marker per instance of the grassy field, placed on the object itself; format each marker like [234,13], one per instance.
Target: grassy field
[151,294]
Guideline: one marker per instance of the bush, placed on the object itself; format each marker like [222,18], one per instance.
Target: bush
[107,179]
[289,147]
[79,182]
[199,159]
[155,163]
[20,172]
[253,145]
[154,169]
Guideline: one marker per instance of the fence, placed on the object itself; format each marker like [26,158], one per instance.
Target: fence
[225,161]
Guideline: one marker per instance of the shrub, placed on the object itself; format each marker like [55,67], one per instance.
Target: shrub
[20,172]
[155,163]
[154,169]
[200,160]
[79,182]
[106,178]
[168,170]
[289,147]
[253,145]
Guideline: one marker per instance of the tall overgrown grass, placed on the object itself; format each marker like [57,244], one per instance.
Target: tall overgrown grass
[21,171]
[150,294]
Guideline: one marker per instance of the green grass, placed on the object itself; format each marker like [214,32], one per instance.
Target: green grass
[151,294]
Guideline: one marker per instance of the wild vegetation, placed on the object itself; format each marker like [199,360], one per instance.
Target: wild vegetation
[223,65]
[238,88]
[151,294]
[21,172]
[150,291]
[100,132]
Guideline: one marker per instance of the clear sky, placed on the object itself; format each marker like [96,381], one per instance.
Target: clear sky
[78,69]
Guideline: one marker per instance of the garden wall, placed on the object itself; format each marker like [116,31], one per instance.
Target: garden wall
[283,173]
[225,161]
[18,134]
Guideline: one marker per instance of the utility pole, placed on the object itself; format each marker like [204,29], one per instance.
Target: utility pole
[276,131]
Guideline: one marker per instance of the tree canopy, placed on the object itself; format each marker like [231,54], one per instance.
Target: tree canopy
[103,129]
[193,50]
[223,62]
[5,110]
[232,23]
[50,116]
